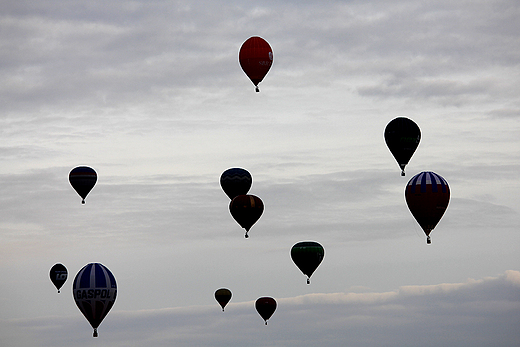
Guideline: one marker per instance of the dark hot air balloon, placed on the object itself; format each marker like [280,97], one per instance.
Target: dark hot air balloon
[235,181]
[246,210]
[256,58]
[427,196]
[82,179]
[94,290]
[307,255]
[402,136]
[58,275]
[265,307]
[223,295]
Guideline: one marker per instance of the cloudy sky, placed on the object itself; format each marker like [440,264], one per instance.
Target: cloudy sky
[150,94]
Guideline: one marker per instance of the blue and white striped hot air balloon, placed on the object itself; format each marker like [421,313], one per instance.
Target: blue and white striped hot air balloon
[94,290]
[427,195]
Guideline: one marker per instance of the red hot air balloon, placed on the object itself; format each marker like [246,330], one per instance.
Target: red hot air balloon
[265,307]
[256,58]
[82,179]
[246,210]
[427,195]
[94,290]
[223,295]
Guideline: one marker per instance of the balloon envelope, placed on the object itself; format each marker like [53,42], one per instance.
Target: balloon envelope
[83,179]
[402,136]
[236,181]
[255,58]
[307,255]
[223,295]
[94,290]
[265,306]
[58,275]
[427,195]
[246,210]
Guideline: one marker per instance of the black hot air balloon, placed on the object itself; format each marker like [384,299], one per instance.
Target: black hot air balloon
[427,195]
[307,255]
[265,306]
[255,58]
[402,136]
[58,275]
[82,179]
[223,295]
[246,210]
[236,181]
[94,290]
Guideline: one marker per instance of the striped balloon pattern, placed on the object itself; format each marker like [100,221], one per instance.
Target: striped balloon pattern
[83,179]
[427,195]
[94,290]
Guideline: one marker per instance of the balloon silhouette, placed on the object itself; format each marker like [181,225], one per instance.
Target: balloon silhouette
[246,210]
[427,196]
[265,307]
[58,275]
[82,179]
[235,181]
[256,58]
[223,295]
[94,290]
[402,136]
[307,255]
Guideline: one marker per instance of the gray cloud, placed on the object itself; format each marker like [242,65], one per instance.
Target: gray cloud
[476,312]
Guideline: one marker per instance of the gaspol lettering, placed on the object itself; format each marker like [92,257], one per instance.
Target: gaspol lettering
[93,294]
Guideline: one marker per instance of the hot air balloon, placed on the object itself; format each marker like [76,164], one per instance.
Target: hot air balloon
[223,295]
[58,275]
[246,210]
[82,179]
[402,137]
[94,290]
[235,181]
[307,255]
[256,58]
[265,306]
[427,195]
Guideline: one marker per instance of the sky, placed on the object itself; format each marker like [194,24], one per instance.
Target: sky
[150,94]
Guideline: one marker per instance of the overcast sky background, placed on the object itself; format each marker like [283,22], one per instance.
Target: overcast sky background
[150,94]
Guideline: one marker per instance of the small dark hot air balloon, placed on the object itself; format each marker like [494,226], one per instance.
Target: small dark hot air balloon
[94,290]
[427,196]
[256,58]
[82,179]
[58,275]
[402,136]
[265,307]
[307,255]
[223,295]
[236,181]
[246,210]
